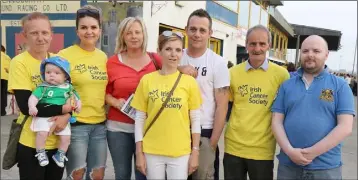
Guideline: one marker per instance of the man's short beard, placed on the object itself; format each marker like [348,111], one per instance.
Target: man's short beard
[314,70]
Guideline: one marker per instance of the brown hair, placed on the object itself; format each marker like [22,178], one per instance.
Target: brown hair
[162,40]
[291,67]
[89,7]
[33,16]
[203,14]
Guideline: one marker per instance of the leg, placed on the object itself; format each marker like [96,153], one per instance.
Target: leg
[97,152]
[260,169]
[234,167]
[329,174]
[285,172]
[64,143]
[155,166]
[177,168]
[3,97]
[41,137]
[121,147]
[217,163]
[206,161]
[28,164]
[53,172]
[77,152]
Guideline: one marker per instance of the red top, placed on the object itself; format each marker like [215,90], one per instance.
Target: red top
[123,81]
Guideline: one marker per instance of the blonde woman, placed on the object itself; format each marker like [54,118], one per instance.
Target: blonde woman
[165,144]
[87,153]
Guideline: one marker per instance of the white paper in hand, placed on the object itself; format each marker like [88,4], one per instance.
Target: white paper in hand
[127,109]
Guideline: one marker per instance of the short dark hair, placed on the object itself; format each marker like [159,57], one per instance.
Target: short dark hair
[3,48]
[203,14]
[291,67]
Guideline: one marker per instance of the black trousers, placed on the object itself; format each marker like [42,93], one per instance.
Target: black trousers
[236,168]
[30,169]
[3,96]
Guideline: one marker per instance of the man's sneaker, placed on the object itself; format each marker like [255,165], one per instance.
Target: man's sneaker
[60,159]
[42,157]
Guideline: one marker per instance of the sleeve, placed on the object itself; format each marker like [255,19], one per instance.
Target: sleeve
[44,110]
[139,125]
[345,101]
[140,99]
[19,78]
[221,75]
[195,121]
[38,92]
[231,91]
[279,101]
[195,99]
[109,88]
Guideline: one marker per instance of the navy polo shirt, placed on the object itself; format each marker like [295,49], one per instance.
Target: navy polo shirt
[311,114]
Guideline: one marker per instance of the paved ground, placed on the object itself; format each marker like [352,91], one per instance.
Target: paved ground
[349,155]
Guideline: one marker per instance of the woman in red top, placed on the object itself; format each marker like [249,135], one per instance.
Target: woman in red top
[125,69]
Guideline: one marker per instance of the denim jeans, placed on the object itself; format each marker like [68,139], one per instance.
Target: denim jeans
[122,148]
[289,172]
[88,149]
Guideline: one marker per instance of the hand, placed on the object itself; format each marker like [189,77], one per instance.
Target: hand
[213,144]
[189,70]
[66,108]
[78,106]
[141,164]
[119,103]
[60,122]
[193,162]
[309,153]
[33,111]
[296,155]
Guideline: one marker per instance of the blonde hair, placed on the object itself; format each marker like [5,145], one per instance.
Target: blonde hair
[122,30]
[33,16]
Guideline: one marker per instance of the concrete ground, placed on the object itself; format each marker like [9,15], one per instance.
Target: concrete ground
[349,154]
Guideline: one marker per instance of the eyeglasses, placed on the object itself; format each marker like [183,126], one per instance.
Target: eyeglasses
[89,12]
[171,33]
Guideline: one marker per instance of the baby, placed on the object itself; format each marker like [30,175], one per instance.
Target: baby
[55,90]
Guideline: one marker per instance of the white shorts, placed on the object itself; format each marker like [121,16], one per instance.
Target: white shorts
[42,124]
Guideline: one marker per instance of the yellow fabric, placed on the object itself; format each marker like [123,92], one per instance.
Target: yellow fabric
[5,64]
[89,78]
[25,74]
[248,133]
[170,134]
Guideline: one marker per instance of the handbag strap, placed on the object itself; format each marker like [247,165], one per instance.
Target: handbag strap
[164,104]
[24,120]
[154,61]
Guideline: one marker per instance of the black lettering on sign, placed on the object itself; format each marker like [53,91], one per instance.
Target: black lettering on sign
[61,7]
[46,8]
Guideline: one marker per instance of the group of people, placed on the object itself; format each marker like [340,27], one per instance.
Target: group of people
[180,97]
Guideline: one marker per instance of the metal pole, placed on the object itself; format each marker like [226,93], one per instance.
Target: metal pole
[297,49]
[355,55]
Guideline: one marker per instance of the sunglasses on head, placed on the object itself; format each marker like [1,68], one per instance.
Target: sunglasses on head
[171,33]
[90,12]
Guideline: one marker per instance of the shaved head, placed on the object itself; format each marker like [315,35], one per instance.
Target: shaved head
[314,53]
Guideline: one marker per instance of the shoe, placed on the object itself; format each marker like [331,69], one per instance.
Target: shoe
[60,159]
[42,157]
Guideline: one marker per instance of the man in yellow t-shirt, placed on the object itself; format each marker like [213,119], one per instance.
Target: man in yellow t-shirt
[5,63]
[249,142]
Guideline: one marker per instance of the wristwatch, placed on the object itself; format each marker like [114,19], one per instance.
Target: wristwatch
[195,148]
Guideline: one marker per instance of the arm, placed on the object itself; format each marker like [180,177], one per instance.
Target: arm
[33,101]
[195,138]
[221,99]
[116,103]
[188,70]
[44,110]
[139,125]
[279,132]
[336,136]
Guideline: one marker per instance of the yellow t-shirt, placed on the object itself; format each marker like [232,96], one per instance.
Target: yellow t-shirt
[89,78]
[248,133]
[5,63]
[24,74]
[170,134]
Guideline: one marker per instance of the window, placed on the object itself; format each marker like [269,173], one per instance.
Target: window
[232,5]
[163,27]
[105,40]
[215,45]
[244,13]
[255,14]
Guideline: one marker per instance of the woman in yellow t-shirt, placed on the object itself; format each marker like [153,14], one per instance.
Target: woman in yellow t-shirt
[5,62]
[87,152]
[167,147]
[24,76]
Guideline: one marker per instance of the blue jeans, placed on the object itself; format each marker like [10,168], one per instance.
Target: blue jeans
[88,150]
[289,172]
[122,148]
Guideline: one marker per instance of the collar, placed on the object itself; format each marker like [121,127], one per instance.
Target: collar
[320,75]
[263,66]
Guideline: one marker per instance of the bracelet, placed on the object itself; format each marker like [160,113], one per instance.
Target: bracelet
[195,148]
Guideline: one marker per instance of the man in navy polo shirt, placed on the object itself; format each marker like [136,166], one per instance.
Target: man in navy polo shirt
[312,114]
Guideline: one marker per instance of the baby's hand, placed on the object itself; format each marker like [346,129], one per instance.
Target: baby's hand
[33,111]
[78,106]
